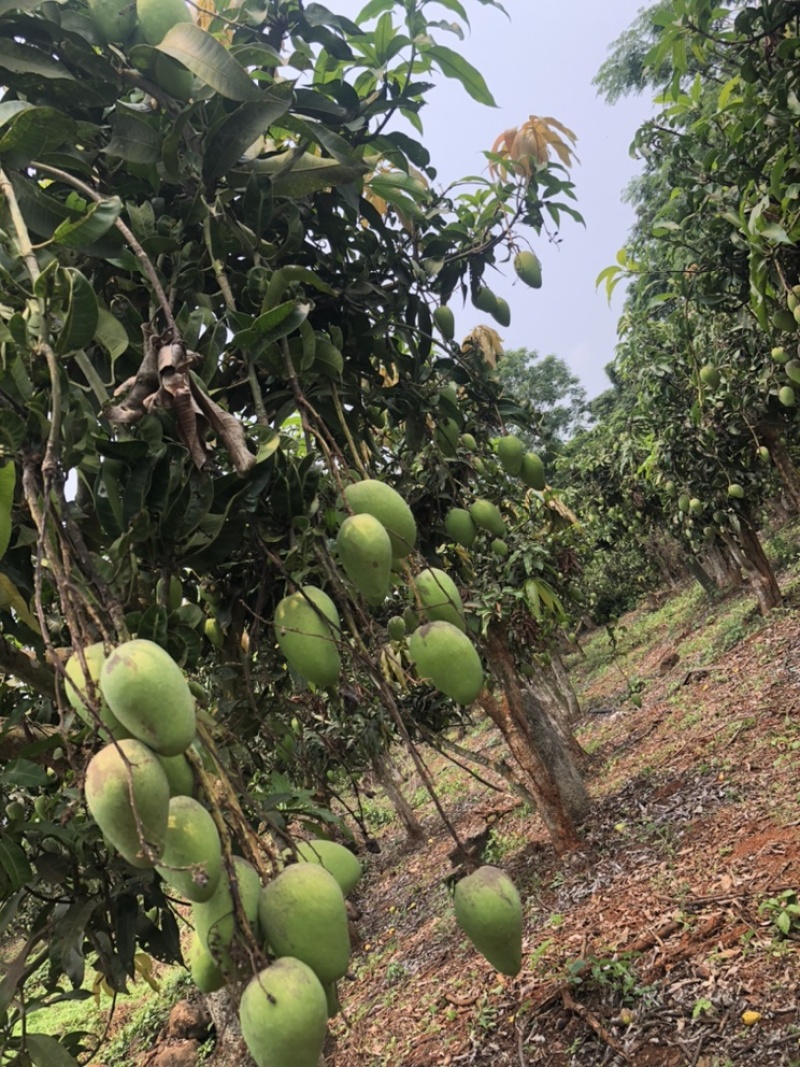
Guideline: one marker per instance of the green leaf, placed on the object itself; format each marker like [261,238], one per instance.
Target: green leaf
[30,132]
[90,227]
[230,140]
[23,59]
[133,137]
[82,312]
[274,324]
[111,334]
[46,1051]
[373,9]
[8,478]
[15,863]
[452,65]
[301,175]
[24,774]
[454,5]
[209,61]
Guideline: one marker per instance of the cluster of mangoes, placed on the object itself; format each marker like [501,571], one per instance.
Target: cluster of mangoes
[372,542]
[146,22]
[140,791]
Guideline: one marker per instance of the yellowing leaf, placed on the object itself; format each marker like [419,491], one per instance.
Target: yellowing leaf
[530,146]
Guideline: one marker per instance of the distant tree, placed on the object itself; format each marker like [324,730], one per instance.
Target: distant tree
[555,395]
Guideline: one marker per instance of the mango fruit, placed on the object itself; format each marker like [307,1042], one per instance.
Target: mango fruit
[486,516]
[386,505]
[147,691]
[203,971]
[191,861]
[214,919]
[695,506]
[489,911]
[736,491]
[709,375]
[468,441]
[75,686]
[365,550]
[484,300]
[502,312]
[445,322]
[180,775]
[120,775]
[396,627]
[173,77]
[779,354]
[499,548]
[792,369]
[446,436]
[784,321]
[460,527]
[307,634]
[528,269]
[114,19]
[302,914]
[683,503]
[445,656]
[786,396]
[532,472]
[157,17]
[284,1015]
[440,599]
[335,858]
[510,452]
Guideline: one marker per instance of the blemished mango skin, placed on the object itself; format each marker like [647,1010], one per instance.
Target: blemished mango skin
[284,1015]
[116,774]
[191,861]
[214,919]
[147,691]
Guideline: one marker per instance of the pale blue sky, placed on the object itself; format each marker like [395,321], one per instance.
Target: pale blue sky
[541,61]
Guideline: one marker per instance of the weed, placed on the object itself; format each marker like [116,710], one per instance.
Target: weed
[615,975]
[395,972]
[500,845]
[783,911]
[702,1006]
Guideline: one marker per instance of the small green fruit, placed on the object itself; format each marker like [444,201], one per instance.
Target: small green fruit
[709,375]
[446,436]
[736,491]
[784,321]
[763,453]
[214,919]
[695,506]
[396,627]
[115,19]
[502,312]
[485,300]
[203,971]
[779,354]
[439,597]
[307,627]
[486,516]
[365,550]
[445,322]
[75,686]
[511,452]
[460,527]
[499,548]
[335,858]
[529,269]
[532,472]
[683,502]
[792,369]
[786,396]
[469,442]
[386,505]
[478,465]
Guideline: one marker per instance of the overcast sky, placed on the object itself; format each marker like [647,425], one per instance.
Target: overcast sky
[541,61]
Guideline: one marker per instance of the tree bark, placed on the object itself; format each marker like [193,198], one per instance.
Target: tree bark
[385,773]
[565,686]
[724,570]
[765,584]
[789,474]
[552,775]
[698,572]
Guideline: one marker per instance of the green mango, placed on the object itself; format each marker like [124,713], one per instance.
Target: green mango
[486,516]
[308,633]
[303,915]
[126,788]
[203,971]
[446,436]
[460,527]
[499,548]
[147,691]
[114,19]
[191,861]
[502,312]
[489,911]
[510,452]
[75,686]
[387,506]
[283,1015]
[396,627]
[179,775]
[335,858]
[532,472]
[157,17]
[445,656]
[365,550]
[528,269]
[786,396]
[709,375]
[437,594]
[214,919]
[445,322]
[485,300]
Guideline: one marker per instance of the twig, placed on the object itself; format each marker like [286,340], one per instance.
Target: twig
[592,1020]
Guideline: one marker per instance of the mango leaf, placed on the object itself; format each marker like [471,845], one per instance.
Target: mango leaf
[31,131]
[301,175]
[111,334]
[452,65]
[15,863]
[8,478]
[12,431]
[46,1051]
[209,60]
[23,59]
[230,140]
[12,600]
[24,774]
[133,137]
[274,324]
[90,227]
[82,312]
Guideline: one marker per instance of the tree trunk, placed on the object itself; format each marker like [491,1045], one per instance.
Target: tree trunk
[552,775]
[698,572]
[724,570]
[565,686]
[789,474]
[385,773]
[765,584]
